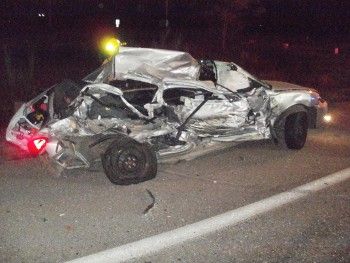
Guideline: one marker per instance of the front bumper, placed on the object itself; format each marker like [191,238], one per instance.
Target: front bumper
[320,111]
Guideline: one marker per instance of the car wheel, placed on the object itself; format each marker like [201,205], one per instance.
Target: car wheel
[295,130]
[127,161]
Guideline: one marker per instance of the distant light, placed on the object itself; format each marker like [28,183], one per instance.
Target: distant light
[111,46]
[285,45]
[41,14]
[117,22]
[336,51]
[327,118]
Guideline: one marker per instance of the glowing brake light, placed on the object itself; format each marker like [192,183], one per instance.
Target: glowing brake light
[36,145]
[39,143]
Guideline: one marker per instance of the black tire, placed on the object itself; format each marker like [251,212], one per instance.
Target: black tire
[127,161]
[295,130]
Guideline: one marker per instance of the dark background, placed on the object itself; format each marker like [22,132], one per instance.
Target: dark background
[44,42]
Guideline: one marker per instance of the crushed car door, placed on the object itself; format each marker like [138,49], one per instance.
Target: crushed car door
[219,114]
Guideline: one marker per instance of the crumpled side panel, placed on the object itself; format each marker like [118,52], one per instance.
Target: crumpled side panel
[212,108]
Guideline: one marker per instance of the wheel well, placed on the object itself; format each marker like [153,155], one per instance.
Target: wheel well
[312,117]
[278,125]
[100,142]
[291,110]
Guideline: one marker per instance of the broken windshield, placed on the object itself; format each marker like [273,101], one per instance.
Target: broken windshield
[100,75]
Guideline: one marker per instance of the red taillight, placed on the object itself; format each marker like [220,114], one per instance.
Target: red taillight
[36,145]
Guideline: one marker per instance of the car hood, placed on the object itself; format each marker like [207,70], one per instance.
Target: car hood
[281,86]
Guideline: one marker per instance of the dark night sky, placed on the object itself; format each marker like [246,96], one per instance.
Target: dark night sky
[318,17]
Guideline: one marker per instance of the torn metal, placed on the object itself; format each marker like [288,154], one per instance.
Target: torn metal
[149,65]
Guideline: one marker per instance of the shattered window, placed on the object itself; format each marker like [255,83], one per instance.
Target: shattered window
[99,75]
[110,106]
[64,93]
[135,92]
[175,96]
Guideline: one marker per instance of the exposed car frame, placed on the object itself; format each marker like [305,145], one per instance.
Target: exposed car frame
[147,106]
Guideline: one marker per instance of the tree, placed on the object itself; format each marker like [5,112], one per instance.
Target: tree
[233,12]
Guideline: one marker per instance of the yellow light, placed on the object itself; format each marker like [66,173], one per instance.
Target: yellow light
[327,118]
[111,46]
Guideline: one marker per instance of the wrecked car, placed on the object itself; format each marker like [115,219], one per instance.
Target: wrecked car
[147,106]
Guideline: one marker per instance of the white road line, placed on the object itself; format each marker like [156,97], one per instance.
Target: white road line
[164,240]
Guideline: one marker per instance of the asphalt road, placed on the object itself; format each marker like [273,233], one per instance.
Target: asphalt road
[47,219]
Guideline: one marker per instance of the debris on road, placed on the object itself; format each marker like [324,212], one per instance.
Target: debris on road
[69,228]
[151,205]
